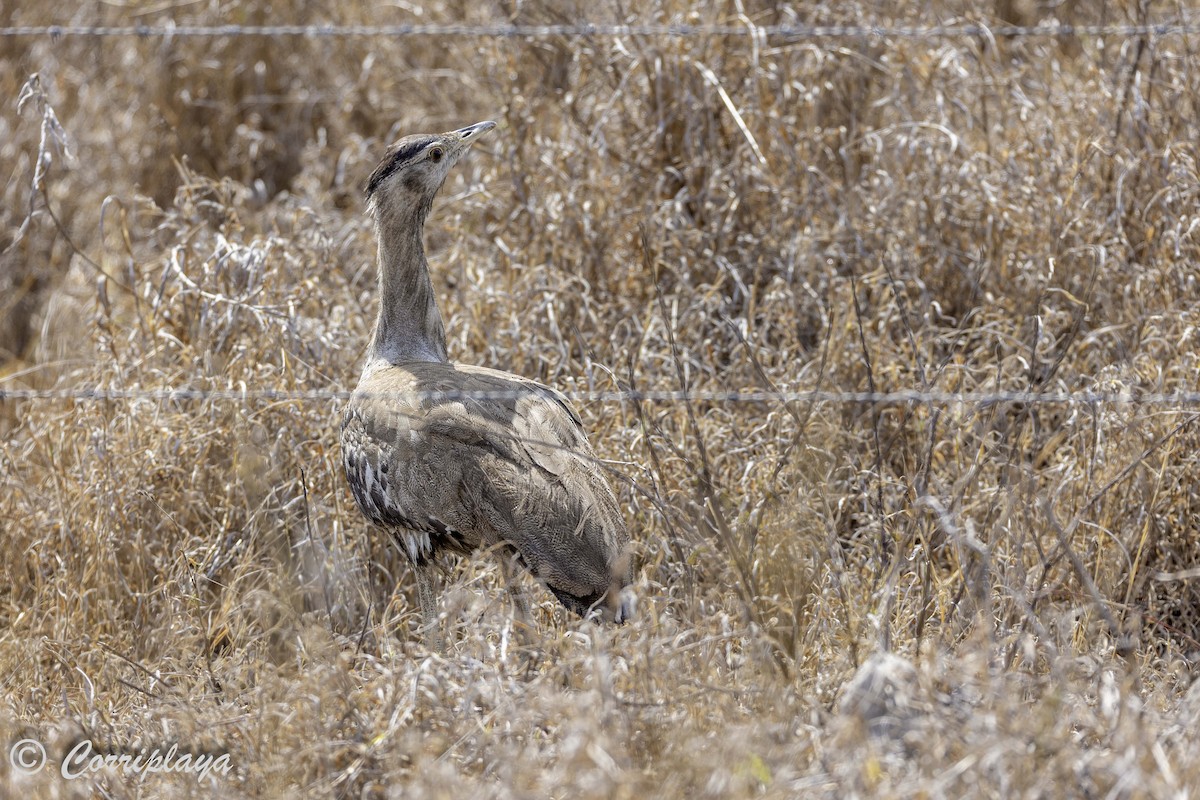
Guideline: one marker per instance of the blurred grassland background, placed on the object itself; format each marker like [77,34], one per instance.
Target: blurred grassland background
[715,213]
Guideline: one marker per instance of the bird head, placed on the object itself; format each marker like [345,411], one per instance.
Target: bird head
[414,168]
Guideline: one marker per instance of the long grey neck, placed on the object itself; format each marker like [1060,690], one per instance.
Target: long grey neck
[409,327]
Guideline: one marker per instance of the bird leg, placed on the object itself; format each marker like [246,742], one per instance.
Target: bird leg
[428,599]
[516,592]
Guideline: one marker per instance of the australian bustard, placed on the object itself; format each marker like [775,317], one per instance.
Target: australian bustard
[453,457]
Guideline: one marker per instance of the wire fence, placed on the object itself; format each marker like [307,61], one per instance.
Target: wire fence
[889,398]
[787,32]
[591,30]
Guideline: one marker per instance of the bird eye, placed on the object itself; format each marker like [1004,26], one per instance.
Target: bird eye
[435,154]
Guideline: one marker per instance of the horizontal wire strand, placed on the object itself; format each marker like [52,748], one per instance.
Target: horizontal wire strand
[1176,399]
[602,30]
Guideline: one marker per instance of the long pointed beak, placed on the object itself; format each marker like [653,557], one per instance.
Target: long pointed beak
[468,133]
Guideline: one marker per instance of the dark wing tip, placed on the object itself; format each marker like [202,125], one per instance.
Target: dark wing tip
[597,607]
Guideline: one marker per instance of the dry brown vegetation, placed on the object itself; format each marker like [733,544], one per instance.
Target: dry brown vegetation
[900,599]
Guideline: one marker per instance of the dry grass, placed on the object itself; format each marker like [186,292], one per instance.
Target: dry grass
[952,215]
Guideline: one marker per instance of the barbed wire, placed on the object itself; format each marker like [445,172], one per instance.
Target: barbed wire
[585,30]
[901,397]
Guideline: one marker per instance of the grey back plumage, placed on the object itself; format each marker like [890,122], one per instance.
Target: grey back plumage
[458,457]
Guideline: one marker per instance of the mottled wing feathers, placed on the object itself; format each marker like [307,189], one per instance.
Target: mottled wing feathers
[468,457]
